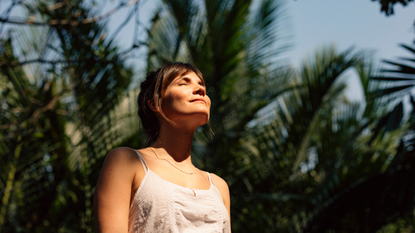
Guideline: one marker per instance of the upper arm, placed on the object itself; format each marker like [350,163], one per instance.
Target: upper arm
[224,191]
[113,191]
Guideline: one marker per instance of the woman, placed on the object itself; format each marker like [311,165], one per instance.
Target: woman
[158,189]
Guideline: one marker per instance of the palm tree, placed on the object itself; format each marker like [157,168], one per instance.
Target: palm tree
[295,152]
[287,142]
[384,201]
[230,43]
[59,125]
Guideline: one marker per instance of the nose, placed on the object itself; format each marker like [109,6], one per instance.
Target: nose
[199,90]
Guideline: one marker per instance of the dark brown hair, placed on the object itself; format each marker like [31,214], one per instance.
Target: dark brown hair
[152,92]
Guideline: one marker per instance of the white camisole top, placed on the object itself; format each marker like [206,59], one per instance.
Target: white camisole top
[162,206]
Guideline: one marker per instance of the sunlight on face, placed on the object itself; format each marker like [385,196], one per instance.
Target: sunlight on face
[185,99]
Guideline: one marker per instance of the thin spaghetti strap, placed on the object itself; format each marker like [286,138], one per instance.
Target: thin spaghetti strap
[210,179]
[142,161]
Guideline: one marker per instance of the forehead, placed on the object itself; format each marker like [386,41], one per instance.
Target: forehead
[189,74]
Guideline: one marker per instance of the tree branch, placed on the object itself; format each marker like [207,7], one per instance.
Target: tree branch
[52,62]
[54,22]
[36,114]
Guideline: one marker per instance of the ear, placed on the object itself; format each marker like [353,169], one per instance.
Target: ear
[152,106]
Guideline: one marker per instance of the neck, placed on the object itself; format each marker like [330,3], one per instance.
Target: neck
[175,141]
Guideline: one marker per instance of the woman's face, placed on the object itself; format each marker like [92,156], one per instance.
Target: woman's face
[185,99]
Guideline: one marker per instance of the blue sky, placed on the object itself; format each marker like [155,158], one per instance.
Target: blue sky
[348,23]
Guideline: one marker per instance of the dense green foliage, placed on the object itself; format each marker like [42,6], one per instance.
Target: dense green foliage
[293,164]
[57,116]
[297,154]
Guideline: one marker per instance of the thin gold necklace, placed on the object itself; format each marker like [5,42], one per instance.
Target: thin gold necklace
[189,173]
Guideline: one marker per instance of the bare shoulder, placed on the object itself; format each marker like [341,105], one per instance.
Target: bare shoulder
[220,183]
[121,155]
[122,160]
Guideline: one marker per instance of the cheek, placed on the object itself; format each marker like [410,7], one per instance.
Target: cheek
[172,100]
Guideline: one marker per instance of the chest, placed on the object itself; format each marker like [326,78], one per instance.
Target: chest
[162,206]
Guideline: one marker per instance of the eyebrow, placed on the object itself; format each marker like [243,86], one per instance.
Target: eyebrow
[187,78]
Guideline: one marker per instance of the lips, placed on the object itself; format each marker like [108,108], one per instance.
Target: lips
[198,100]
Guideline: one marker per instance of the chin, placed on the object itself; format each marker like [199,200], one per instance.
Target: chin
[197,120]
